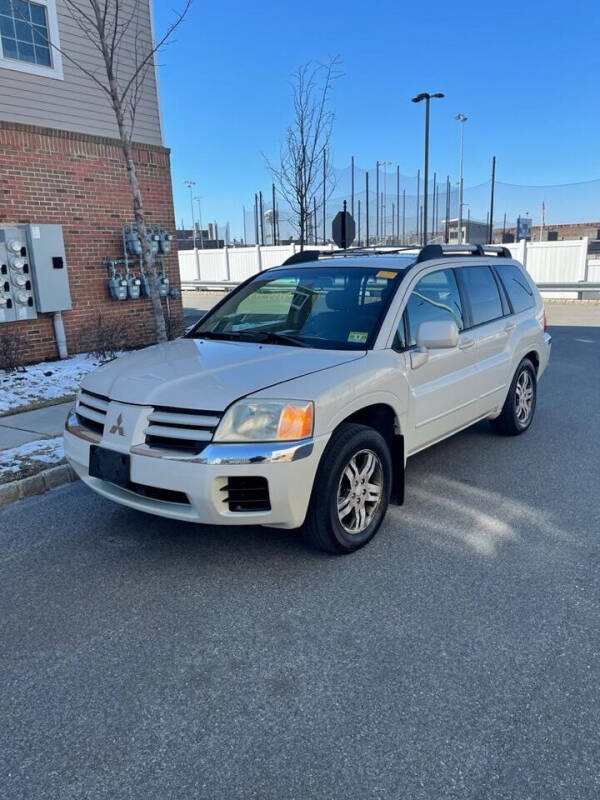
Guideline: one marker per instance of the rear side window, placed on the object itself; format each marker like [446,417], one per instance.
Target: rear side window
[517,288]
[435,297]
[482,293]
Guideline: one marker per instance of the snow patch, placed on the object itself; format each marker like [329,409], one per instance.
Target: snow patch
[43,451]
[47,380]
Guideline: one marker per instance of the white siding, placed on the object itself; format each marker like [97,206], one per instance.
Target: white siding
[76,103]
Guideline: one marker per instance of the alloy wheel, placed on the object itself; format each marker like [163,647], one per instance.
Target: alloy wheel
[524,397]
[360,492]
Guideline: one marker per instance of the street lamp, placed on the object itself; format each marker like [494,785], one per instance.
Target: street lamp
[197,199]
[427,97]
[462,118]
[190,185]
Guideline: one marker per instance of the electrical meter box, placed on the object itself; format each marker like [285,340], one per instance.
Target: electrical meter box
[33,271]
[17,300]
[50,276]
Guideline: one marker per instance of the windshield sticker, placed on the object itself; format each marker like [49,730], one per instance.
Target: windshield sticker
[242,326]
[383,273]
[358,337]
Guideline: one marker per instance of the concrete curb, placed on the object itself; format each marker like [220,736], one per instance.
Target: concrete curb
[36,484]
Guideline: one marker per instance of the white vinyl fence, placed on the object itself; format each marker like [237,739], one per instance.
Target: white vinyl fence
[233,264]
[554,262]
[547,262]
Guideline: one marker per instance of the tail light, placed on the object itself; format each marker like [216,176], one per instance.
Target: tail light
[545,322]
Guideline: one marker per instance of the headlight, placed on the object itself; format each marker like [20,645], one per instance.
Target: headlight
[266,421]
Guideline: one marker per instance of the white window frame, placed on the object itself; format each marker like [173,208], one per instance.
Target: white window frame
[56,70]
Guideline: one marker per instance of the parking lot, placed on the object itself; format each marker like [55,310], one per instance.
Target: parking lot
[457,656]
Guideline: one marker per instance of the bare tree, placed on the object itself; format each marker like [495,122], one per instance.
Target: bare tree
[120,30]
[304,166]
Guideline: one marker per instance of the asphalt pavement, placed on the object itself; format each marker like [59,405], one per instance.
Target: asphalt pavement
[457,656]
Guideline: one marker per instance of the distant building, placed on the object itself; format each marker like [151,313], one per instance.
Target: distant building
[204,239]
[473,231]
[552,233]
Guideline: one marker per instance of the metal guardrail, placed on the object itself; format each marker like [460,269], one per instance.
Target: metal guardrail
[579,286]
[190,286]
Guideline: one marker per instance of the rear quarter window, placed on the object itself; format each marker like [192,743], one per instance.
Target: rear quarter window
[482,293]
[517,287]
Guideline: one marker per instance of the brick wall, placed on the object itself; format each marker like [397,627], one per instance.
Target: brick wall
[566,231]
[79,181]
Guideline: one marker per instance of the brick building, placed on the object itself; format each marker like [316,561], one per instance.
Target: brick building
[61,163]
[553,233]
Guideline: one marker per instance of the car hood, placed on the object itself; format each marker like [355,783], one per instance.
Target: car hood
[205,374]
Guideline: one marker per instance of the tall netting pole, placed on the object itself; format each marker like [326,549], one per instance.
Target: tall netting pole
[447,225]
[398,202]
[491,228]
[352,189]
[367,206]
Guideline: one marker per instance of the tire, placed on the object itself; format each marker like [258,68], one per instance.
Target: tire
[515,419]
[351,449]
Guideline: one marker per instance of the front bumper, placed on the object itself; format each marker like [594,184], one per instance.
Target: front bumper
[289,469]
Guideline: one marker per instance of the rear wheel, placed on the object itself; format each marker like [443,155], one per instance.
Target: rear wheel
[351,491]
[519,406]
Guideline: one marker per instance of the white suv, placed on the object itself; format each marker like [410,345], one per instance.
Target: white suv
[296,401]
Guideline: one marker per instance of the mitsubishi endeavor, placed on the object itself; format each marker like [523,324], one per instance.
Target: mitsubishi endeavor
[296,401]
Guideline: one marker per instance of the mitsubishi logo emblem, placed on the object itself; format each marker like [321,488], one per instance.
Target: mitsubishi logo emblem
[118,426]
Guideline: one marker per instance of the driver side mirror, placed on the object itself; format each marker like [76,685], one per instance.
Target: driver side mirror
[438,335]
[433,335]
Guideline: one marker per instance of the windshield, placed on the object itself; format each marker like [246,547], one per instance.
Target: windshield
[337,307]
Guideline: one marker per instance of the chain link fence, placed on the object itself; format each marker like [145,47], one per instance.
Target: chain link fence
[391,211]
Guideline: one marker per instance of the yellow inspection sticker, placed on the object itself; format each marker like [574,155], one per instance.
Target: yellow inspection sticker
[358,337]
[385,274]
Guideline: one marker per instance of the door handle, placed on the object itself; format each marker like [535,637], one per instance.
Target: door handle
[510,326]
[466,343]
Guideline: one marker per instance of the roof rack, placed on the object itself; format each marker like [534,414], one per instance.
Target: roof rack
[314,255]
[427,253]
[431,251]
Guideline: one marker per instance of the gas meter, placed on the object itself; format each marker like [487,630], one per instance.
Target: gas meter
[133,286]
[154,241]
[130,284]
[163,284]
[132,242]
[117,284]
[165,240]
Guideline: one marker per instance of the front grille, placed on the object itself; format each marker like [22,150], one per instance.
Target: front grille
[153,492]
[181,429]
[247,494]
[90,410]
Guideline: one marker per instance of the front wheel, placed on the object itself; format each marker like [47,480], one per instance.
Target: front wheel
[519,407]
[351,492]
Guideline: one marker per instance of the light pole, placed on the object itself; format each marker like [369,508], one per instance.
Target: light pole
[427,97]
[462,118]
[190,185]
[197,199]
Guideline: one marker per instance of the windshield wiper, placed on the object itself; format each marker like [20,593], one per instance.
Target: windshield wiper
[250,335]
[278,338]
[214,335]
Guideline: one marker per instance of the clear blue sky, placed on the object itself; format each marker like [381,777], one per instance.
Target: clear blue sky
[526,74]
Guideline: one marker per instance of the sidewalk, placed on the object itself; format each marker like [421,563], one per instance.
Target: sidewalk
[31,453]
[31,426]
